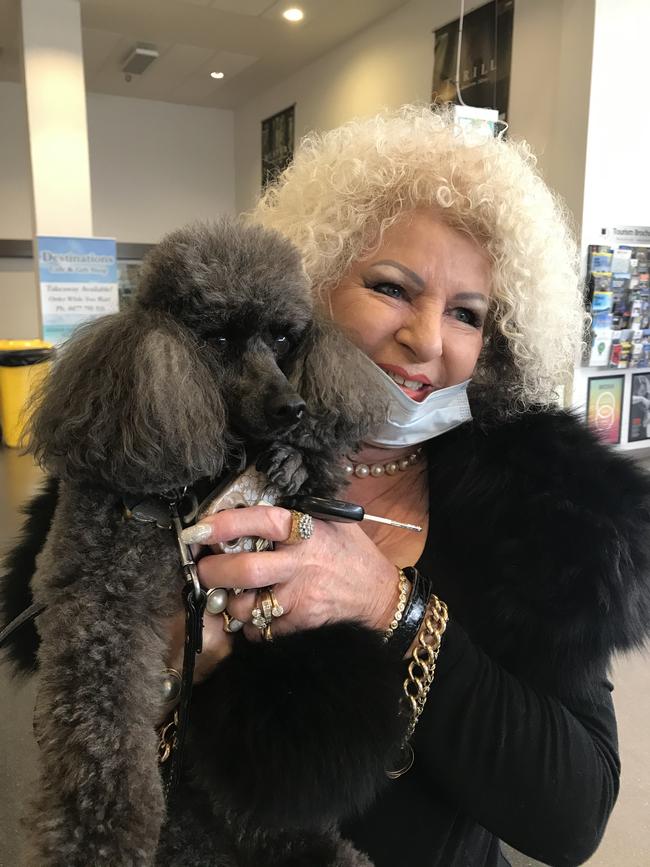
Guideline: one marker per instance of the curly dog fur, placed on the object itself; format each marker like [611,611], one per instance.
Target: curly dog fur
[219,354]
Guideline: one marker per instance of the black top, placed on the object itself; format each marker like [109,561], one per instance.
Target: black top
[494,758]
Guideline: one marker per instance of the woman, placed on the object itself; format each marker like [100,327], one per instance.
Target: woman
[446,259]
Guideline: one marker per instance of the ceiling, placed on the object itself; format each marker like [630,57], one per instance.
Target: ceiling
[248,40]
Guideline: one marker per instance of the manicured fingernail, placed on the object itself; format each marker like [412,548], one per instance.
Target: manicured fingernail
[196,533]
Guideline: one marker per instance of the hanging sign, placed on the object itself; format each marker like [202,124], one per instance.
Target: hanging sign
[633,235]
[78,282]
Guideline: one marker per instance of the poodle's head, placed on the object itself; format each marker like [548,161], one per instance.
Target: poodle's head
[162,393]
[242,293]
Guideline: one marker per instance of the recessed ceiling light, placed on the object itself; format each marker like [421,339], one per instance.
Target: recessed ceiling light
[293,14]
[216,74]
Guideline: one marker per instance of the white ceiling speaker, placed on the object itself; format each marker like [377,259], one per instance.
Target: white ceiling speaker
[139,58]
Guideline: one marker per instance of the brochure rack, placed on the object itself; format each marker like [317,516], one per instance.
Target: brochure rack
[612,385]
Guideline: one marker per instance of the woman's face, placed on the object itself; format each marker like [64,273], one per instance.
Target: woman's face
[417,306]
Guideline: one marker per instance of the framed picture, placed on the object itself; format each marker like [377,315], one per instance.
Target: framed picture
[485,56]
[277,143]
[605,407]
[639,420]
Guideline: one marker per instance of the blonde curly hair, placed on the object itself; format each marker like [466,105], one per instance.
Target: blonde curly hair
[347,186]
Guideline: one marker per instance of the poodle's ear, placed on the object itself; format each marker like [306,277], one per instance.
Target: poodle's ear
[130,404]
[339,383]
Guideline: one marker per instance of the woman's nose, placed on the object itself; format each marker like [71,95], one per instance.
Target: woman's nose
[422,336]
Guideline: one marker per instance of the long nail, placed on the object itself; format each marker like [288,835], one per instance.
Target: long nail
[196,533]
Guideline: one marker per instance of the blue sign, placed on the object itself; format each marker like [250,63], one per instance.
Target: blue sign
[78,282]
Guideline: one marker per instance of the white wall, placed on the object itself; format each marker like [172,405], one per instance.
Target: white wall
[550,88]
[18,299]
[15,180]
[391,63]
[154,166]
[617,179]
[617,184]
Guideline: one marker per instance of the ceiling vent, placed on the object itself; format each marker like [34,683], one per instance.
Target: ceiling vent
[139,58]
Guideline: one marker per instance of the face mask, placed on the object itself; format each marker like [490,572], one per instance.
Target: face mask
[409,422]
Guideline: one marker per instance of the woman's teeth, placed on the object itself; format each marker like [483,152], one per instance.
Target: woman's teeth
[407,383]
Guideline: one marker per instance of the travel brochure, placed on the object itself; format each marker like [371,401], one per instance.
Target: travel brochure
[618,298]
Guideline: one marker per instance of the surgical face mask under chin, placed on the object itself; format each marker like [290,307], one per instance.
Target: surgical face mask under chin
[410,422]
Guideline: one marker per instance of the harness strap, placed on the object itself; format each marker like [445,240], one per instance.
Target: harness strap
[194,609]
[194,597]
[25,616]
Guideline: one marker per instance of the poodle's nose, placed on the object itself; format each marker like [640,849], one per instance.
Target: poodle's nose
[283,410]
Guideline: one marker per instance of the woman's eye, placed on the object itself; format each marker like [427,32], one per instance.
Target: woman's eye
[464,314]
[390,289]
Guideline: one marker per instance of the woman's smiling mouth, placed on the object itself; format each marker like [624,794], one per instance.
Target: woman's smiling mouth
[415,386]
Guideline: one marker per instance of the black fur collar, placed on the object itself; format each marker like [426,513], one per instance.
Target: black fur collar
[540,536]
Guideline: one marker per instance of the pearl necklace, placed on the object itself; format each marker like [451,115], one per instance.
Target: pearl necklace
[391,468]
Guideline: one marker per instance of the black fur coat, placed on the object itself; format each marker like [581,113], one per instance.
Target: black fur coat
[547,535]
[547,532]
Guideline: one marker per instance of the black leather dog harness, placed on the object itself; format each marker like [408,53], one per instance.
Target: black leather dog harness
[165,512]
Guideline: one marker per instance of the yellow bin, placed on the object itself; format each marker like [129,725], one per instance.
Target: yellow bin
[23,364]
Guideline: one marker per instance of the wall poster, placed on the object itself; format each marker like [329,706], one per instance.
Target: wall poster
[277,143]
[605,407]
[485,56]
[78,282]
[639,420]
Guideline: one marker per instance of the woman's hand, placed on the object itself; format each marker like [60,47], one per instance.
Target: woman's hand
[337,574]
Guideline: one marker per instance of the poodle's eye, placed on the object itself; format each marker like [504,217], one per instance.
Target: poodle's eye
[281,344]
[217,338]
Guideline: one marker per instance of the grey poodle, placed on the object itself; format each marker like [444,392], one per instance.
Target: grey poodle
[219,360]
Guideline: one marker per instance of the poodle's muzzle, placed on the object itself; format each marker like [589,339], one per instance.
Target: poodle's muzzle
[266,403]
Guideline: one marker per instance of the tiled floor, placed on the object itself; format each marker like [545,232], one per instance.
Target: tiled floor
[626,843]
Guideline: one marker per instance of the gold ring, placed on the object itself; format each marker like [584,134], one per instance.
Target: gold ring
[302,528]
[266,633]
[261,614]
[276,610]
[230,623]
[266,609]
